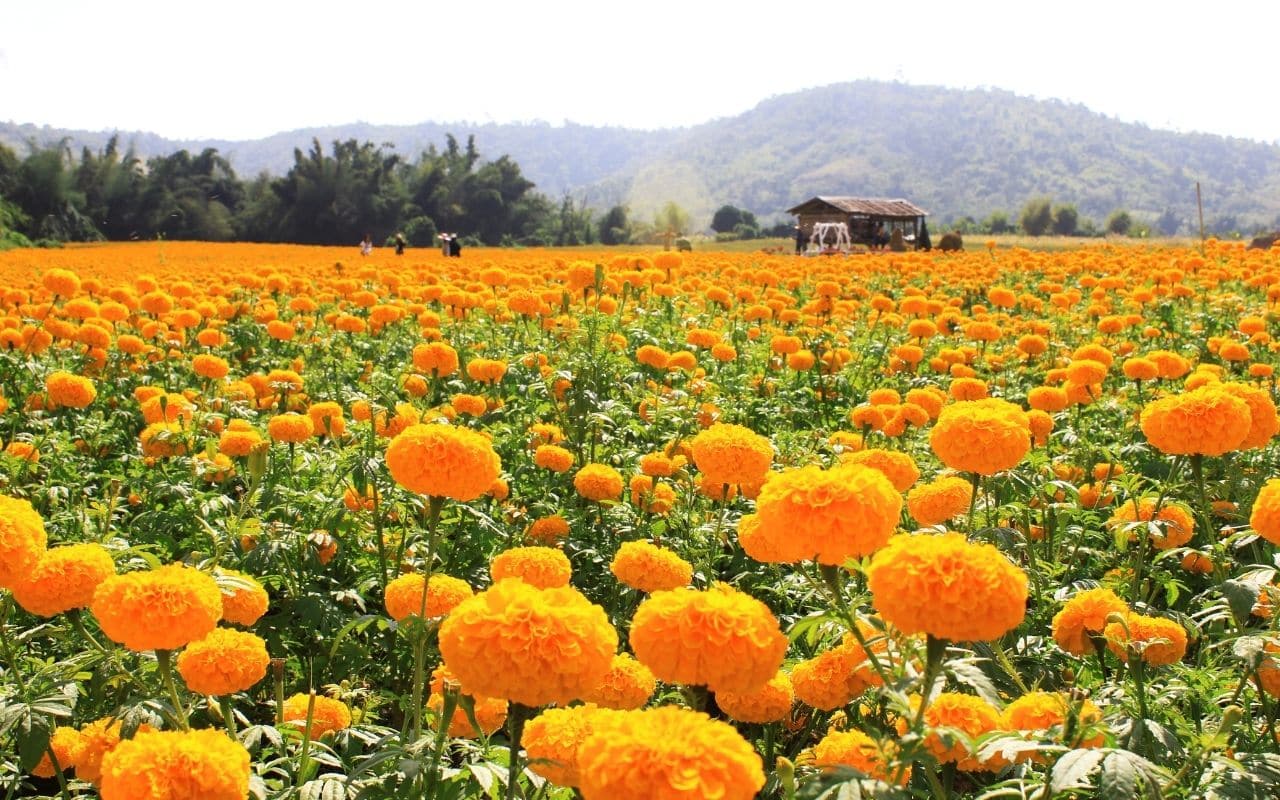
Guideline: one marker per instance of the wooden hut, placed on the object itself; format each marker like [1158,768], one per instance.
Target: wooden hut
[862,214]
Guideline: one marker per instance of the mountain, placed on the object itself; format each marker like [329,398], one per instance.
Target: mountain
[955,152]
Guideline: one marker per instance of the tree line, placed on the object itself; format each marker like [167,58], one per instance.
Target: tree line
[331,197]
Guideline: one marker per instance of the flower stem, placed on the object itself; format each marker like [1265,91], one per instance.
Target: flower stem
[935,649]
[164,659]
[515,730]
[228,716]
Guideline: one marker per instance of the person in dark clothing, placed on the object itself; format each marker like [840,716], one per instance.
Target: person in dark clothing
[799,240]
[400,243]
[922,241]
[455,246]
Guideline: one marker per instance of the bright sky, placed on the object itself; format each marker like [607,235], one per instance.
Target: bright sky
[241,70]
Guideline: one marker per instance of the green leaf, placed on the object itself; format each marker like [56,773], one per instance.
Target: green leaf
[968,672]
[1073,769]
[32,737]
[1119,780]
[1241,596]
[1250,650]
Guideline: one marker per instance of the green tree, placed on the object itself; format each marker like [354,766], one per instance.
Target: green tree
[46,192]
[728,218]
[1037,216]
[1119,222]
[614,226]
[1066,220]
[998,222]
[673,219]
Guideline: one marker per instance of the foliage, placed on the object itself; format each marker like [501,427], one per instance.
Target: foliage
[1036,217]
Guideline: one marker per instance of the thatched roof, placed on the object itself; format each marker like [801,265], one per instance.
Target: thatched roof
[870,206]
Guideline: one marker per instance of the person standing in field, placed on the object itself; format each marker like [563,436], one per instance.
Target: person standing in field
[366,244]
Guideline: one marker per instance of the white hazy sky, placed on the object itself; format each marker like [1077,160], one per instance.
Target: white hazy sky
[241,70]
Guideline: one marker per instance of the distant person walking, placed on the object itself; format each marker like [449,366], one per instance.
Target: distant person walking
[400,243]
[444,244]
[799,240]
[366,245]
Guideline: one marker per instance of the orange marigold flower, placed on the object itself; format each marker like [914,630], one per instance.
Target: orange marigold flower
[490,712]
[769,703]
[64,578]
[403,596]
[899,468]
[471,404]
[210,367]
[1042,711]
[598,482]
[1263,422]
[628,684]
[1049,399]
[328,716]
[244,601]
[1265,517]
[720,638]
[964,713]
[549,530]
[553,739]
[1140,369]
[486,370]
[544,567]
[436,359]
[224,662]
[443,461]
[290,427]
[731,454]
[163,439]
[97,739]
[1155,640]
[553,457]
[239,442]
[1083,617]
[667,752]
[159,609]
[327,419]
[942,499]
[1269,669]
[167,407]
[650,568]
[853,748]
[511,642]
[947,587]
[846,512]
[61,282]
[657,465]
[1205,421]
[67,745]
[69,391]
[1172,526]
[982,436]
[22,540]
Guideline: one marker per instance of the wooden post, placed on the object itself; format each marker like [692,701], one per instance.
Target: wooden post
[1200,207]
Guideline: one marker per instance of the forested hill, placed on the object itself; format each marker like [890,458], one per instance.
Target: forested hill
[953,152]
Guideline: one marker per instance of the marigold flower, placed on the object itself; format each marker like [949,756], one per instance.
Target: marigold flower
[982,436]
[543,567]
[1049,399]
[666,752]
[224,662]
[835,677]
[650,568]
[22,540]
[159,609]
[62,283]
[1140,369]
[1269,669]
[731,454]
[832,515]
[512,640]
[853,748]
[942,499]
[769,703]
[1084,616]
[1042,711]
[965,713]
[898,467]
[628,684]
[67,745]
[63,578]
[170,765]
[163,439]
[1207,421]
[328,716]
[553,739]
[490,712]
[1173,523]
[553,457]
[1263,421]
[167,407]
[549,530]
[97,739]
[327,419]
[291,428]
[239,442]
[720,638]
[244,601]
[69,391]
[443,461]
[598,482]
[947,587]
[403,596]
[210,367]
[436,359]
[1156,640]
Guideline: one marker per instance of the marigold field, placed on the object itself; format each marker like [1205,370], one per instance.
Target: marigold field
[283,522]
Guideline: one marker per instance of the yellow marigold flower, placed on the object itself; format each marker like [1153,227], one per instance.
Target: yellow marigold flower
[947,587]
[936,502]
[22,540]
[853,748]
[168,765]
[512,641]
[239,442]
[62,283]
[163,439]
[1263,422]
[167,407]
[329,715]
[159,609]
[490,712]
[553,739]
[97,739]
[471,404]
[435,359]
[403,596]
[244,601]
[66,745]
[835,677]
[898,467]
[598,482]
[443,461]
[1156,640]
[720,638]
[628,684]
[650,568]
[769,703]
[1173,523]
[1042,711]
[832,515]
[64,578]
[1264,519]
[1084,616]
[731,454]
[486,370]
[1140,369]
[982,436]
[1049,399]
[69,391]
[549,530]
[543,567]
[667,752]
[1205,421]
[965,713]
[657,465]
[553,457]
[290,427]
[224,662]
[327,419]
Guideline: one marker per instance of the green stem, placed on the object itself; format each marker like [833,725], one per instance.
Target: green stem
[1003,658]
[5,607]
[935,649]
[442,728]
[832,578]
[304,758]
[163,658]
[434,504]
[228,716]
[516,718]
[976,481]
